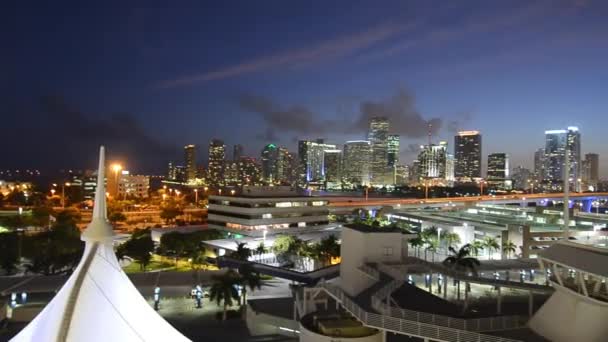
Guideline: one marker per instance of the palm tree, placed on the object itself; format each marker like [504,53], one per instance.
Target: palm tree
[328,249]
[248,278]
[461,261]
[476,247]
[432,244]
[451,239]
[261,249]
[491,245]
[242,252]
[416,243]
[224,290]
[509,248]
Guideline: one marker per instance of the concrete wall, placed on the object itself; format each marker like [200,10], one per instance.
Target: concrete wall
[359,248]
[264,324]
[310,336]
[568,316]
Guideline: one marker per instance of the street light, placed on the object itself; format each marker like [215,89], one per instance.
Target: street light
[196,197]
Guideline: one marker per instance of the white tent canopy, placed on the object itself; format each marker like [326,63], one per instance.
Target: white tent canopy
[98,302]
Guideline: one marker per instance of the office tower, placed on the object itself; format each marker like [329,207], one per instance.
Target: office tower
[402,173]
[231,172]
[355,162]
[590,171]
[378,138]
[249,171]
[311,157]
[498,171]
[171,173]
[539,164]
[284,166]
[333,164]
[467,154]
[449,169]
[190,162]
[217,157]
[270,156]
[237,152]
[556,143]
[432,159]
[523,179]
[393,157]
[415,172]
[180,173]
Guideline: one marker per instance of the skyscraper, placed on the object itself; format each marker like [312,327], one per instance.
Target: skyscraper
[498,171]
[190,162]
[393,157]
[590,170]
[217,158]
[311,157]
[402,174]
[539,164]
[237,152]
[333,164]
[449,169]
[467,154]
[284,166]
[249,171]
[432,159]
[556,143]
[270,156]
[356,162]
[378,138]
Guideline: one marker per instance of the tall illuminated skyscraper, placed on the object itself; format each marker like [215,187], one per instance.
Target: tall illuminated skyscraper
[393,157]
[590,170]
[539,164]
[378,138]
[270,156]
[498,171]
[556,143]
[432,159]
[217,158]
[467,154]
[284,166]
[356,162]
[311,158]
[333,166]
[190,162]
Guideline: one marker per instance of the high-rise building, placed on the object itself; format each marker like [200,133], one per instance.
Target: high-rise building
[449,169]
[237,152]
[249,171]
[333,166]
[467,154]
[270,157]
[539,164]
[523,179]
[498,171]
[402,175]
[556,143]
[378,138]
[393,157]
[356,162]
[231,173]
[311,157]
[128,185]
[284,166]
[590,171]
[217,158]
[432,159]
[171,171]
[190,162]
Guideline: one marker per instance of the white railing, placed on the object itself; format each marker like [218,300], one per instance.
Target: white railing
[472,324]
[408,327]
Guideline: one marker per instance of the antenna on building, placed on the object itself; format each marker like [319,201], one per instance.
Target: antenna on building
[429,132]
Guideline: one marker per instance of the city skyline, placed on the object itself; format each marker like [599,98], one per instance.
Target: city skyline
[512,69]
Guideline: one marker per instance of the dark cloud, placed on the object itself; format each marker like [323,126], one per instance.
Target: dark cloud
[399,108]
[54,134]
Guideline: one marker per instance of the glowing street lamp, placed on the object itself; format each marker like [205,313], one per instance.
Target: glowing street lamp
[116,168]
[196,197]
[63,193]
[232,192]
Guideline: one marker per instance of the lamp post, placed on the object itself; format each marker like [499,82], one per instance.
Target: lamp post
[196,197]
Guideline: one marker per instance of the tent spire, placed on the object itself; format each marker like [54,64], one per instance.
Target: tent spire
[99,229]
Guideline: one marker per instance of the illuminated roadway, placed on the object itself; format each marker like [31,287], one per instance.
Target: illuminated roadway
[359,202]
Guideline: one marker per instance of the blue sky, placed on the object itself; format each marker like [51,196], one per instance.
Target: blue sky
[255,72]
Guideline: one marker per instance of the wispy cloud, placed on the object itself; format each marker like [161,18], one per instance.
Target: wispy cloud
[321,52]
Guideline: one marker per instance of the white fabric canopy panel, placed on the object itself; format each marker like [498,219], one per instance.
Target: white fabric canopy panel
[98,302]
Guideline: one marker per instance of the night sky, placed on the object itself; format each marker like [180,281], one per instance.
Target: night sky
[147,77]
